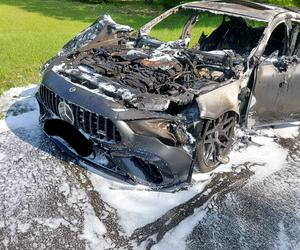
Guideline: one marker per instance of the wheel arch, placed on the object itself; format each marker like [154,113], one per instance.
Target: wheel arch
[220,101]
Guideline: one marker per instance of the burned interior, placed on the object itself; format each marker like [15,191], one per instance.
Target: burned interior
[188,94]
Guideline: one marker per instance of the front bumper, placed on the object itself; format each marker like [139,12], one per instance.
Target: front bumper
[122,153]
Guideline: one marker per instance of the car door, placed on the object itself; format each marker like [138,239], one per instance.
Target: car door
[292,89]
[271,81]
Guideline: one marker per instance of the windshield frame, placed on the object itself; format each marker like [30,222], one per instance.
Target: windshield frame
[146,29]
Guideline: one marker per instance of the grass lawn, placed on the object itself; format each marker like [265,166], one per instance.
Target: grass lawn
[32,31]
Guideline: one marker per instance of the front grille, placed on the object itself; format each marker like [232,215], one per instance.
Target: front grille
[94,124]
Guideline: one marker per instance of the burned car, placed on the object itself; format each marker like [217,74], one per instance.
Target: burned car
[151,111]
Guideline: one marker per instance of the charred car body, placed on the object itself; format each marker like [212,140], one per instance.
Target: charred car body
[150,111]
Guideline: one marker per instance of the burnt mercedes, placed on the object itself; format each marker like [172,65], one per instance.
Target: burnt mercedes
[152,111]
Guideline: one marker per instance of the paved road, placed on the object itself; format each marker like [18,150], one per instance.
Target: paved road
[49,202]
[260,215]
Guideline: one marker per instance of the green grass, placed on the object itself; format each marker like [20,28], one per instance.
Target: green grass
[33,31]
[170,29]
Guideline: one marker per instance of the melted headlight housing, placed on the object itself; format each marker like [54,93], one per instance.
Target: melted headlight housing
[159,128]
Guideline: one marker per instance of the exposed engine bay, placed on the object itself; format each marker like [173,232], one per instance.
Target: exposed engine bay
[147,74]
[177,76]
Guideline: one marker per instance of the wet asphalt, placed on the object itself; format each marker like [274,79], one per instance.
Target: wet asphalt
[239,213]
[259,215]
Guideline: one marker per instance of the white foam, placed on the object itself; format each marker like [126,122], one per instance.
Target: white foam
[135,206]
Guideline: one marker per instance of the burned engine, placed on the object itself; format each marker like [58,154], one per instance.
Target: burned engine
[152,79]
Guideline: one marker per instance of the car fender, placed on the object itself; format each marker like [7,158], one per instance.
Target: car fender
[219,101]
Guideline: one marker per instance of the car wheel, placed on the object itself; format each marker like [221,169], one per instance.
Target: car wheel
[214,144]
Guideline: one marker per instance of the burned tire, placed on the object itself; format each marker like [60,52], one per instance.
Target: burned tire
[215,142]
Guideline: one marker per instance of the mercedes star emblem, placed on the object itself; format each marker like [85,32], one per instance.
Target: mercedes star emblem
[65,112]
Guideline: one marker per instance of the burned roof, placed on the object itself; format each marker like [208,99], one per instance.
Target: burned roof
[257,11]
